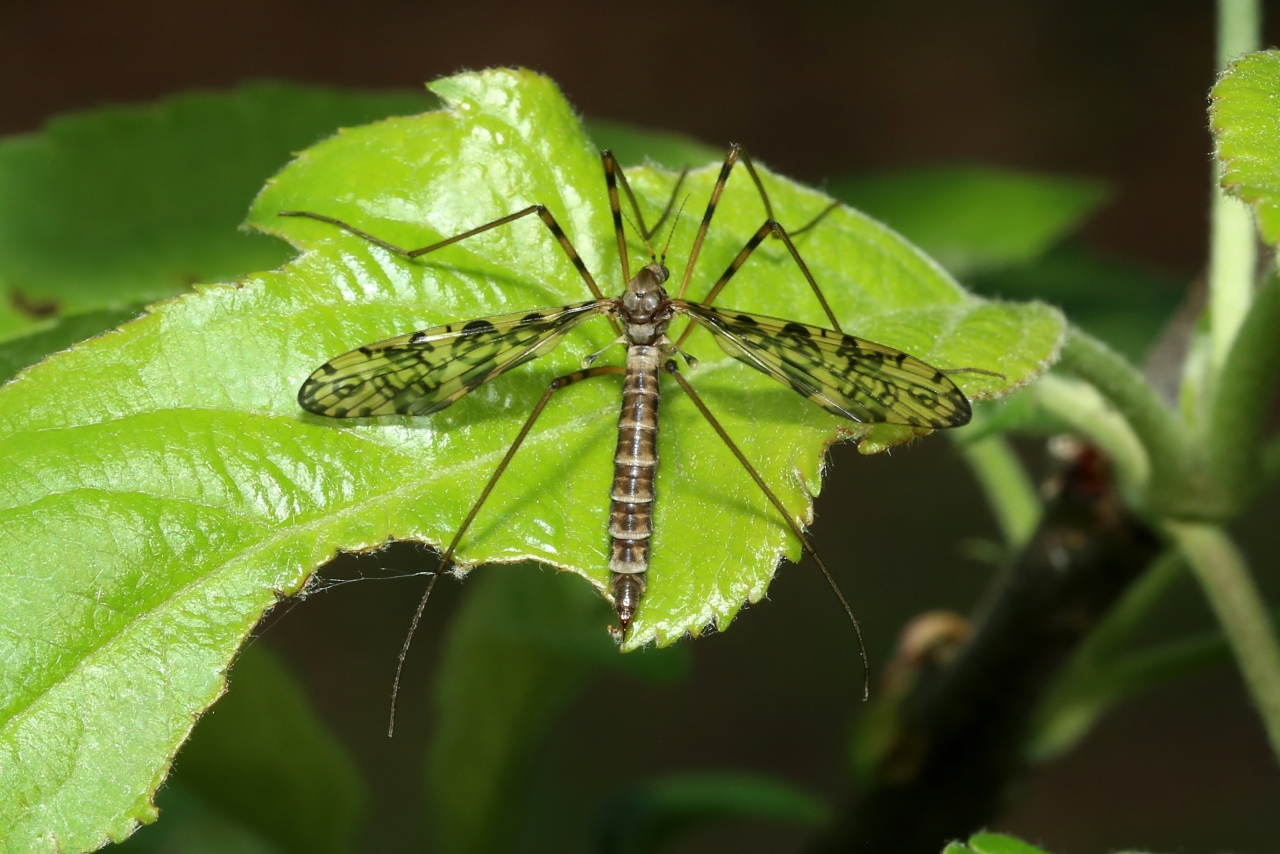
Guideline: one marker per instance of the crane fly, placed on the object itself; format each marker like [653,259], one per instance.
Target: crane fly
[426,371]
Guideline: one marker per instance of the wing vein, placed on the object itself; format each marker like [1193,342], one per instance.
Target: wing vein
[425,371]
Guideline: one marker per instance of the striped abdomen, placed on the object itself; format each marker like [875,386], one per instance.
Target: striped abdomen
[634,465]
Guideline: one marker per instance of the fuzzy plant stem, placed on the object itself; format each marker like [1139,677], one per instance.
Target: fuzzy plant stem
[1241,402]
[1232,244]
[1222,572]
[1009,490]
[1154,423]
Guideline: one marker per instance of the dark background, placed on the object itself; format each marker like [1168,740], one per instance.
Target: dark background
[1101,89]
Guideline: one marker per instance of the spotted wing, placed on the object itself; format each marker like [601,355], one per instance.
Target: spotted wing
[426,371]
[846,376]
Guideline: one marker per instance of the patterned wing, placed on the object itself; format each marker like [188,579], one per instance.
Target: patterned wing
[846,376]
[425,371]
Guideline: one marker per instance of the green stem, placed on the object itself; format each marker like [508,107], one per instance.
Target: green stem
[1155,425]
[1232,261]
[1239,29]
[1082,410]
[1222,572]
[1239,407]
[1009,491]
[1232,244]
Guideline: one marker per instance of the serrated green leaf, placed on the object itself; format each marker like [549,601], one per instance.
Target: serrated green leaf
[162,487]
[999,843]
[523,646]
[645,817]
[890,292]
[127,205]
[1122,303]
[975,219]
[1245,103]
[264,760]
[957,848]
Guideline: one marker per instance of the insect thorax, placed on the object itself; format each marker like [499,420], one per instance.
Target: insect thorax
[645,308]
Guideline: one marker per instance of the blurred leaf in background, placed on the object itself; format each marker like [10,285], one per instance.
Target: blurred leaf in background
[1005,234]
[106,211]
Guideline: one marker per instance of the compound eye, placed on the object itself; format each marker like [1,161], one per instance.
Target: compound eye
[666,274]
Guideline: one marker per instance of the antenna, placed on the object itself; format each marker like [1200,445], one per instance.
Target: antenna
[672,232]
[640,234]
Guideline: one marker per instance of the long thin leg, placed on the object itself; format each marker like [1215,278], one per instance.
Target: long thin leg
[768,208]
[781,232]
[545,215]
[611,172]
[822,214]
[631,197]
[735,151]
[673,369]
[614,175]
[556,385]
[671,200]
[770,226]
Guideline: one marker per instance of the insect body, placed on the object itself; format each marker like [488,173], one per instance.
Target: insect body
[426,371]
[646,311]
